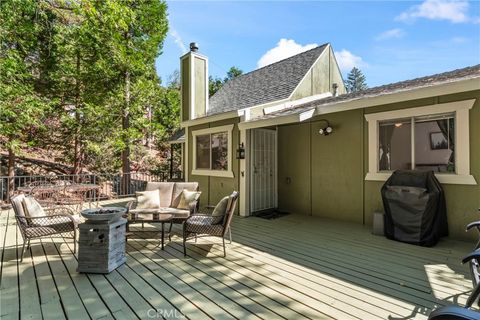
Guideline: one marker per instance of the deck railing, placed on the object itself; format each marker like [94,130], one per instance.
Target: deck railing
[109,185]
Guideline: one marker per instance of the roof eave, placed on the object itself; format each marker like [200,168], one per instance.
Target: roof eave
[208,119]
[366,102]
[462,85]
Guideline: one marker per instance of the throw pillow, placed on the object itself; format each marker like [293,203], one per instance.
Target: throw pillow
[187,197]
[148,199]
[219,212]
[32,208]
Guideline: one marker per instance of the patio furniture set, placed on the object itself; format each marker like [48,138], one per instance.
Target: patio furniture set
[104,233]
[62,193]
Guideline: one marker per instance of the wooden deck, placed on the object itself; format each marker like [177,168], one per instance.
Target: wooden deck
[293,267]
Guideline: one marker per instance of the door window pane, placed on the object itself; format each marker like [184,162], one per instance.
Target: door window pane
[219,151]
[435,144]
[395,151]
[203,152]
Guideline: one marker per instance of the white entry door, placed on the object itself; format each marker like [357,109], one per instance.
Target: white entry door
[263,189]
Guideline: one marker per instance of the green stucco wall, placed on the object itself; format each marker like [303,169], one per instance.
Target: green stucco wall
[337,178]
[335,74]
[294,169]
[463,201]
[200,86]
[320,78]
[327,173]
[309,179]
[215,188]
[185,81]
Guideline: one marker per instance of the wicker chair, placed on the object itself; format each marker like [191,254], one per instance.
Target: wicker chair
[57,221]
[204,224]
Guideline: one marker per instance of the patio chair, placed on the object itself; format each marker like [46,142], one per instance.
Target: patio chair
[474,264]
[216,224]
[36,222]
[457,312]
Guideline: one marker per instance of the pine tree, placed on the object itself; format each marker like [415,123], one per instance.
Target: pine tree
[355,81]
[215,84]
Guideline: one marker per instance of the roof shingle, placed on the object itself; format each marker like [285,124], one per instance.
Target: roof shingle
[472,72]
[271,83]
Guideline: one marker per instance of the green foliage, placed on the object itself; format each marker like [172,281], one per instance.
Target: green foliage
[133,31]
[79,77]
[214,84]
[233,73]
[355,81]
[22,108]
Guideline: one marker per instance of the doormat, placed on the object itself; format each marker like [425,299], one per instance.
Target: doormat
[272,214]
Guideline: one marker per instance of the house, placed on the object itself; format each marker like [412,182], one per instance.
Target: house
[288,136]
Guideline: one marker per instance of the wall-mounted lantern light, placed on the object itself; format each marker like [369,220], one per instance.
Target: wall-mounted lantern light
[241,151]
[325,130]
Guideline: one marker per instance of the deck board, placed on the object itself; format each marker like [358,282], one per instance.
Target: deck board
[293,267]
[9,291]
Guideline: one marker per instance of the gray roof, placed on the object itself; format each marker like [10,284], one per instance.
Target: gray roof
[423,82]
[271,83]
[178,136]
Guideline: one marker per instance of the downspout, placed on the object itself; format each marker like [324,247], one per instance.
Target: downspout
[363,166]
[310,156]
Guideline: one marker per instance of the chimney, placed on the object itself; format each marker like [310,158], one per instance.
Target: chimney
[193,47]
[194,83]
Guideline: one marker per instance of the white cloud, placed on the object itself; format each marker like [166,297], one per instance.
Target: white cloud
[459,39]
[390,34]
[178,40]
[285,48]
[451,10]
[347,60]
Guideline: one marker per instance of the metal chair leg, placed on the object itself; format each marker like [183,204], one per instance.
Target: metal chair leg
[170,231]
[74,241]
[224,250]
[195,238]
[23,252]
[184,244]
[230,234]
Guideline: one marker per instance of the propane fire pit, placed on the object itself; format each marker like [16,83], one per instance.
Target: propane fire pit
[102,214]
[101,243]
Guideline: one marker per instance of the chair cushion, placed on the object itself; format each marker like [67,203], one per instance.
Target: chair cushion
[17,203]
[178,189]
[137,210]
[147,214]
[61,224]
[165,189]
[187,197]
[148,199]
[220,210]
[202,224]
[44,227]
[177,213]
[32,208]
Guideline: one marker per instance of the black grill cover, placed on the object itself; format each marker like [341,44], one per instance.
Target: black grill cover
[415,210]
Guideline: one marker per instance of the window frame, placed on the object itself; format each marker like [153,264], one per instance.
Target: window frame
[209,172]
[462,139]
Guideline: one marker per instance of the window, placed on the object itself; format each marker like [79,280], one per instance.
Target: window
[433,137]
[420,143]
[212,151]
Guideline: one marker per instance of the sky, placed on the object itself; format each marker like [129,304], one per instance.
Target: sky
[389,41]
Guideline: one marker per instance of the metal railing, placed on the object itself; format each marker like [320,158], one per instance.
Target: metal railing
[109,185]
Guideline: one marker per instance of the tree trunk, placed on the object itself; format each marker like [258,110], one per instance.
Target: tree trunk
[125,126]
[77,158]
[77,152]
[11,172]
